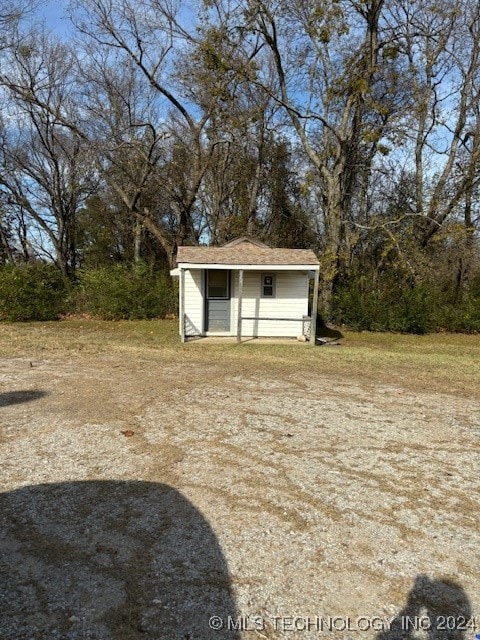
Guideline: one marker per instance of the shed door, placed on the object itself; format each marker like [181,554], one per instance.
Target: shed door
[218,300]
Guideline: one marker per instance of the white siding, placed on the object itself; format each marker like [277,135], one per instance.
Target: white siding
[290,301]
[193,302]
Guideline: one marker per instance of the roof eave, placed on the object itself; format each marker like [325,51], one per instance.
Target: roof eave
[249,267]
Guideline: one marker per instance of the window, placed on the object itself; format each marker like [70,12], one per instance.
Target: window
[217,284]
[268,285]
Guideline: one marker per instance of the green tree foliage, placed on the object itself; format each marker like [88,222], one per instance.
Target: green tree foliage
[121,292]
[34,291]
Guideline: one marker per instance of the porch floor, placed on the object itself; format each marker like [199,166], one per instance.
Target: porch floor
[228,339]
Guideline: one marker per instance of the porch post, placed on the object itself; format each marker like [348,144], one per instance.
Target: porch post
[182,305]
[239,307]
[313,327]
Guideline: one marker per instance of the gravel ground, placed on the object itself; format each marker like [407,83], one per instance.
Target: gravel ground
[142,501]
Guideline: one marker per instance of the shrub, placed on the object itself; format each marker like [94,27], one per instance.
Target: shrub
[417,310]
[357,309]
[34,291]
[122,292]
[463,317]
[387,307]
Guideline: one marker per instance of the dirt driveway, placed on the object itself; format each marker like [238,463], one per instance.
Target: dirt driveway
[147,500]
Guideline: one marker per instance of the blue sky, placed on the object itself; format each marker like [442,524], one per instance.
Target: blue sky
[54,13]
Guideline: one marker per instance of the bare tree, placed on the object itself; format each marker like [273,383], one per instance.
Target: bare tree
[324,64]
[441,42]
[11,15]
[44,172]
[126,136]
[151,36]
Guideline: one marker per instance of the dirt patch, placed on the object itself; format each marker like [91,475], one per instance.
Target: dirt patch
[301,505]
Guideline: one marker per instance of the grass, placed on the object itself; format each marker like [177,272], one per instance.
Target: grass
[441,362]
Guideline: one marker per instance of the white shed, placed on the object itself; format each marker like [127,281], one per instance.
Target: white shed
[246,289]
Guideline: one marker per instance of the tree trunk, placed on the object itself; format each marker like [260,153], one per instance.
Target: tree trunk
[137,241]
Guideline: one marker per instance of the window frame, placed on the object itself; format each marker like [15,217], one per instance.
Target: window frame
[207,285]
[273,285]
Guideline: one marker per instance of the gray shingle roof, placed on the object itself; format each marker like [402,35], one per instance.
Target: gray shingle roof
[246,253]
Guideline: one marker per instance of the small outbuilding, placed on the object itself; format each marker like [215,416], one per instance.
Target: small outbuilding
[246,289]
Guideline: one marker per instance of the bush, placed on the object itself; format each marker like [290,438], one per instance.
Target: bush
[359,310]
[417,310]
[34,291]
[387,308]
[463,317]
[122,292]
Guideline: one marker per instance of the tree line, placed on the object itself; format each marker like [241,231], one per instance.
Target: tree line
[351,127]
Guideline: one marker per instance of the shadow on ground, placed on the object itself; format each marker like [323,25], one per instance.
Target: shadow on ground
[109,561]
[17,397]
[324,331]
[436,609]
